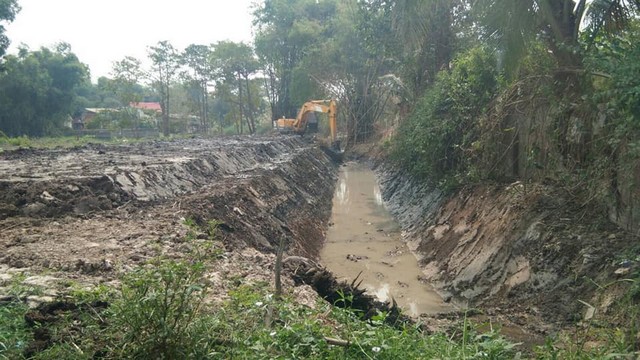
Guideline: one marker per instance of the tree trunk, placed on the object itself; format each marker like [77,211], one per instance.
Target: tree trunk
[205,108]
[252,118]
[240,107]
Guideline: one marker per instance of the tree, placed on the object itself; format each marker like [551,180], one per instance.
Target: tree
[198,59]
[514,25]
[126,76]
[8,11]
[165,64]
[349,64]
[287,30]
[220,108]
[237,63]
[427,34]
[38,90]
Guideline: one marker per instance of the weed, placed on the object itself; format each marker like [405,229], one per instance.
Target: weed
[14,334]
[99,293]
[19,289]
[159,311]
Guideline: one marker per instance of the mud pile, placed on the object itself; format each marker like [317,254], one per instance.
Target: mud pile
[531,253]
[91,212]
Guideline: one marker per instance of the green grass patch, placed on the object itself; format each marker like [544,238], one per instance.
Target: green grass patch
[14,333]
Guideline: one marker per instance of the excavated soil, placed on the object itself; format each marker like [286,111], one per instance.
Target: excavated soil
[88,214]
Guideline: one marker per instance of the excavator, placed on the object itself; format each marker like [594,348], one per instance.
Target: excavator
[306,119]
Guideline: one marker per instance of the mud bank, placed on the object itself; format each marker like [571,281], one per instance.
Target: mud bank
[531,254]
[90,213]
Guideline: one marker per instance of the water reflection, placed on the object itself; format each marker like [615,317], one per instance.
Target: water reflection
[342,190]
[377,195]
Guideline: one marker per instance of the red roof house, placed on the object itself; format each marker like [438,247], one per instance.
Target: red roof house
[155,106]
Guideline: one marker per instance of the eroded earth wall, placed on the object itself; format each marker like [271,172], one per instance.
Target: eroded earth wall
[508,246]
[88,213]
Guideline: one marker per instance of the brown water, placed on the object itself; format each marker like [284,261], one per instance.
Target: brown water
[364,237]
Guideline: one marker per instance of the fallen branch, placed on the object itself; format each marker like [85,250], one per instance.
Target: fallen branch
[308,262]
[15,225]
[278,269]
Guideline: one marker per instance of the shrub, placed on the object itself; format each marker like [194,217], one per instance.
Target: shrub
[158,314]
[435,140]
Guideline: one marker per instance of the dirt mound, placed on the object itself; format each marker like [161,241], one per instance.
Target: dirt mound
[90,213]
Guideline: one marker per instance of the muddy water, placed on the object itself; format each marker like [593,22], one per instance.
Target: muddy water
[363,237]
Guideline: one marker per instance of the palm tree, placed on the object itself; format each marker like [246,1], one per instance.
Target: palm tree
[515,24]
[425,27]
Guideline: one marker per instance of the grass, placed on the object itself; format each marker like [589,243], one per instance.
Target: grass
[7,143]
[14,333]
[11,143]
[161,311]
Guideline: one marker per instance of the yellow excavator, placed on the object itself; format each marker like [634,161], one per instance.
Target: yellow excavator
[306,119]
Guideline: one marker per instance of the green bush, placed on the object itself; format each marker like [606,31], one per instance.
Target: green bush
[436,139]
[159,312]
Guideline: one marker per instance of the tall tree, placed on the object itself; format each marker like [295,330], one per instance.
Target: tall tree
[165,63]
[515,24]
[349,64]
[38,90]
[198,60]
[287,30]
[8,11]
[237,63]
[127,74]
[425,28]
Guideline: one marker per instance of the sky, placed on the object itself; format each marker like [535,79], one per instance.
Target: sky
[103,31]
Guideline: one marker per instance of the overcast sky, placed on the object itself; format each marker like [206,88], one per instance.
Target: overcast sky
[103,31]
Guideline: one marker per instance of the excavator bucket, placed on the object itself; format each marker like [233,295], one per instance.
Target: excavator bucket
[333,151]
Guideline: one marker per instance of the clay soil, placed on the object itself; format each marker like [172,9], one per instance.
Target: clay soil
[83,216]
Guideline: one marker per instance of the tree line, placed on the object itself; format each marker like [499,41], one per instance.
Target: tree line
[41,90]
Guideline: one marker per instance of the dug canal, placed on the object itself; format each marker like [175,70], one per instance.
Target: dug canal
[363,239]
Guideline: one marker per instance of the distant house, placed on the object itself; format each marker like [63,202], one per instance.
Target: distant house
[90,113]
[151,106]
[148,111]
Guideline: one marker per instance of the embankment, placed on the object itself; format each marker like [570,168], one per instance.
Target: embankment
[510,247]
[96,210]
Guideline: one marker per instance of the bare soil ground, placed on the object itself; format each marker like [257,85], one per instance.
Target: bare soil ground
[87,214]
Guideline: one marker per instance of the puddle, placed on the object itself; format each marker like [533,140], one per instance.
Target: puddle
[364,237]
